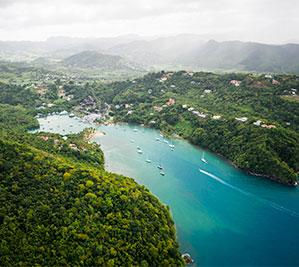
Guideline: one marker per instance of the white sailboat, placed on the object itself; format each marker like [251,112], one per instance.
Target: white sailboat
[148,159]
[171,145]
[139,150]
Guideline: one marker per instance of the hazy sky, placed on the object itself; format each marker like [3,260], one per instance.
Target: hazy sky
[270,21]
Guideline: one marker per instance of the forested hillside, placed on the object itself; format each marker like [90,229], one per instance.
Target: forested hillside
[58,206]
[251,120]
[95,60]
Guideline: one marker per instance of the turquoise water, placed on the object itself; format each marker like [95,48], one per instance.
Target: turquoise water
[223,216]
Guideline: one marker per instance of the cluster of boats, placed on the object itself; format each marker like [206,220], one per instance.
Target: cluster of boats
[166,142]
[139,151]
[159,166]
[172,147]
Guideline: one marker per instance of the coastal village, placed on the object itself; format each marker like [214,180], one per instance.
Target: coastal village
[93,110]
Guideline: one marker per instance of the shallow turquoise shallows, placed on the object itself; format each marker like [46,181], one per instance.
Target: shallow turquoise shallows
[223,216]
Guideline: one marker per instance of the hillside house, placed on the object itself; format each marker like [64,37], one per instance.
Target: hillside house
[73,147]
[235,83]
[41,90]
[268,126]
[216,117]
[88,103]
[170,102]
[257,123]
[242,119]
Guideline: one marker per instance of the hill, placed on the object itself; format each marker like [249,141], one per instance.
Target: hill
[160,51]
[58,206]
[191,52]
[244,56]
[184,51]
[244,117]
[95,60]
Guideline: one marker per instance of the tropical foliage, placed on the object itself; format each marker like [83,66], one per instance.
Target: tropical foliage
[59,207]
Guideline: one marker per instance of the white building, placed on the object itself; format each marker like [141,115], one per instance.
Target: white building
[242,119]
[216,117]
[257,123]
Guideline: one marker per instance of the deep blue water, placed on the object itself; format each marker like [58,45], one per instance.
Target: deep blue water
[223,216]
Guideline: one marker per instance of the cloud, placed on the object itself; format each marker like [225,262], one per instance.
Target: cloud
[240,19]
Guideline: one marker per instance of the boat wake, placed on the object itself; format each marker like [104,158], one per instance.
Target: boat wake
[264,201]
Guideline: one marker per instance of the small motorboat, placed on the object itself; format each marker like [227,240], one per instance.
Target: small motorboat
[203,158]
[187,258]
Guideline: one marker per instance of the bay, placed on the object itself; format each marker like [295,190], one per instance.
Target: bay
[223,216]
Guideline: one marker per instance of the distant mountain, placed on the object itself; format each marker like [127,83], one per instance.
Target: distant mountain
[60,47]
[243,56]
[96,60]
[184,51]
[159,51]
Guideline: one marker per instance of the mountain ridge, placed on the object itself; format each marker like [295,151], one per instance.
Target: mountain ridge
[184,51]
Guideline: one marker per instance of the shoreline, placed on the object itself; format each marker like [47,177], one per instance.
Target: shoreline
[98,133]
[271,178]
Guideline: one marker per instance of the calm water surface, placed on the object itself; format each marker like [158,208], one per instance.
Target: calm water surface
[223,216]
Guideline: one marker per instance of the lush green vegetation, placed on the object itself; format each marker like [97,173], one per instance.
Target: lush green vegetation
[58,206]
[271,152]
